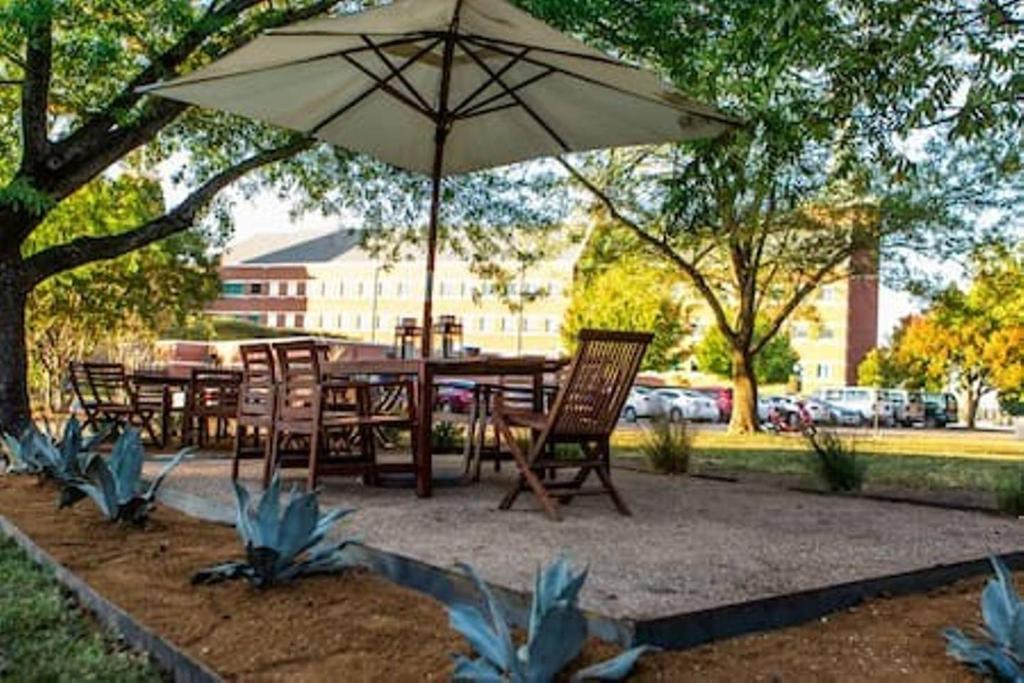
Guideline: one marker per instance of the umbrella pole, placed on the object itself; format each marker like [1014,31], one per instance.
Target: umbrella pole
[435,210]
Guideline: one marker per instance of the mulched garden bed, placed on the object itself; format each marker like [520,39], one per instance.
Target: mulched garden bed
[359,627]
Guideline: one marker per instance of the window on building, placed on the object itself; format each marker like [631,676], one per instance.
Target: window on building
[282,289]
[548,324]
[361,289]
[341,288]
[300,289]
[320,322]
[300,321]
[824,371]
[232,289]
[799,331]
[463,288]
[323,288]
[524,324]
[281,322]
[380,288]
[257,289]
[503,323]
[359,322]
[827,293]
[826,332]
[400,290]
[481,324]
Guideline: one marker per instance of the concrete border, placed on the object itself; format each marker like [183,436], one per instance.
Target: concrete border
[181,667]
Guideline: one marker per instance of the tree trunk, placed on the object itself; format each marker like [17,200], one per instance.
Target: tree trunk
[14,405]
[973,400]
[744,395]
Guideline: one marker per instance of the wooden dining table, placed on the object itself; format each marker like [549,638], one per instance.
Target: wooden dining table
[427,370]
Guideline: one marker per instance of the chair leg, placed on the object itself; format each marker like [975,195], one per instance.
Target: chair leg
[270,461]
[314,457]
[606,479]
[527,476]
[237,454]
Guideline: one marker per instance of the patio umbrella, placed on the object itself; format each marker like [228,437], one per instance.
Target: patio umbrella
[444,87]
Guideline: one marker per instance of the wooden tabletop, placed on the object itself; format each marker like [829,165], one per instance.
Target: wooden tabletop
[468,366]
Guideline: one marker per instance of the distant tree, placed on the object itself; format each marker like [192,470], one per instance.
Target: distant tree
[773,365]
[880,370]
[631,295]
[125,302]
[972,338]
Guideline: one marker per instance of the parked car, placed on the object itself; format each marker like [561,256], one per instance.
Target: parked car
[871,403]
[687,404]
[642,402]
[723,398]
[908,406]
[454,397]
[940,410]
[820,411]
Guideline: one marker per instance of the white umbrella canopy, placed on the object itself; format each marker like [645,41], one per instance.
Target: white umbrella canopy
[444,87]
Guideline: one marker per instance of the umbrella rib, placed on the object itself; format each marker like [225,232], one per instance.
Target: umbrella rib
[515,96]
[713,116]
[601,59]
[397,73]
[458,109]
[272,67]
[481,108]
[378,85]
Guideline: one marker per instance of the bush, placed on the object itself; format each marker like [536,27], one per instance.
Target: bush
[667,446]
[446,437]
[1010,492]
[837,462]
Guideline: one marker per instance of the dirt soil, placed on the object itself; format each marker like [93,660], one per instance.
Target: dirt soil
[357,627]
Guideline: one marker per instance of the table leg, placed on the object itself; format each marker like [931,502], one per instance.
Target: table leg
[424,447]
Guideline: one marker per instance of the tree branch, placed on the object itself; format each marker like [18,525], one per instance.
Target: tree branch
[85,250]
[35,91]
[699,281]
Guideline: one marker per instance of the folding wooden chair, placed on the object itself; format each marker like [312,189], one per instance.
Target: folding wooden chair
[213,394]
[257,406]
[106,396]
[585,411]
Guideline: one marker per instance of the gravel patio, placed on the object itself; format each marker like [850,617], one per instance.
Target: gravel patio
[692,543]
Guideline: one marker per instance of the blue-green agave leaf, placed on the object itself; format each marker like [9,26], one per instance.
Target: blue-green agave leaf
[614,669]
[297,525]
[321,560]
[221,572]
[268,513]
[476,671]
[95,439]
[498,623]
[242,523]
[126,463]
[468,621]
[71,444]
[557,640]
[984,659]
[154,486]
[97,483]
[999,605]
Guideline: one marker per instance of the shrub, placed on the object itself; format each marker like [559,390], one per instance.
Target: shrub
[838,464]
[114,485]
[556,635]
[274,542]
[446,436]
[1002,656]
[668,446]
[1010,492]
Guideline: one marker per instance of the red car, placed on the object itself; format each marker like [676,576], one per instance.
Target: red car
[723,397]
[453,398]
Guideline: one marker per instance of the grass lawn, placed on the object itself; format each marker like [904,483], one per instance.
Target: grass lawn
[43,635]
[927,461]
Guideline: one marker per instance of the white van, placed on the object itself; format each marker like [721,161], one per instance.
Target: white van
[869,402]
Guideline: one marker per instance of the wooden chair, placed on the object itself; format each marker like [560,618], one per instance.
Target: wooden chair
[257,406]
[213,394]
[103,391]
[313,416]
[585,411]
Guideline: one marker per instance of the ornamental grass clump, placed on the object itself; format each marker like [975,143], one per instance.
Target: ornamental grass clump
[1010,491]
[837,462]
[115,485]
[668,446]
[556,635]
[999,655]
[38,454]
[281,547]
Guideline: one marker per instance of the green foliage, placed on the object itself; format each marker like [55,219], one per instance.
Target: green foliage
[773,365]
[668,446]
[231,329]
[46,637]
[446,437]
[1010,492]
[115,485]
[1001,656]
[632,295]
[837,462]
[280,547]
[880,370]
[556,635]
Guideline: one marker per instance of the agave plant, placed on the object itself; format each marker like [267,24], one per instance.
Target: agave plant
[281,547]
[115,485]
[36,453]
[557,633]
[1002,657]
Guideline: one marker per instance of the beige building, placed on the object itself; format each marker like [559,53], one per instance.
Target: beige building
[326,282]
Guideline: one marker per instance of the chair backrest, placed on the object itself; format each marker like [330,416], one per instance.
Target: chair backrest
[299,368]
[80,385]
[108,382]
[258,394]
[214,391]
[598,382]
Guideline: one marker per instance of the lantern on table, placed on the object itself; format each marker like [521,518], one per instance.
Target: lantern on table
[447,335]
[408,336]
